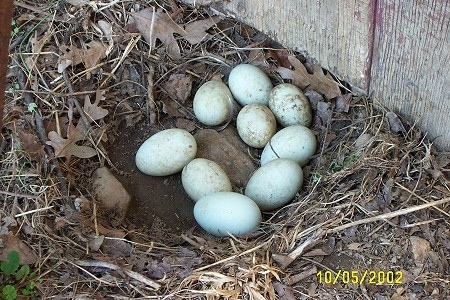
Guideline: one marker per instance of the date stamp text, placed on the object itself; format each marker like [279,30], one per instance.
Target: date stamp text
[359,277]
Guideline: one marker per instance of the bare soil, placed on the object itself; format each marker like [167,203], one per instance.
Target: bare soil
[160,197]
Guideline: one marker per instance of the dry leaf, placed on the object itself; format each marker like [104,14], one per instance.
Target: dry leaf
[164,29]
[171,108]
[107,30]
[31,145]
[281,56]
[185,124]
[96,242]
[343,102]
[68,147]
[90,56]
[317,81]
[78,2]
[196,31]
[93,111]
[11,242]
[395,123]
[324,112]
[323,249]
[179,87]
[284,292]
[363,140]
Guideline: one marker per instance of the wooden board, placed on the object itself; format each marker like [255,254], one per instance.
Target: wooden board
[334,32]
[411,63]
[395,51]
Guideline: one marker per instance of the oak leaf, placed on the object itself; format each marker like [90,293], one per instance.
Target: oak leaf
[68,147]
[156,24]
[90,56]
[92,110]
[318,81]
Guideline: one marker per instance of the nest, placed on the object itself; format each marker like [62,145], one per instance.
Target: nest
[375,201]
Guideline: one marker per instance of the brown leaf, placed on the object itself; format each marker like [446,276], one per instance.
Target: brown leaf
[324,112]
[90,56]
[171,108]
[111,194]
[164,29]
[185,124]
[284,292]
[67,147]
[11,242]
[281,56]
[31,145]
[323,249]
[179,87]
[93,111]
[196,31]
[343,102]
[395,123]
[317,81]
[96,242]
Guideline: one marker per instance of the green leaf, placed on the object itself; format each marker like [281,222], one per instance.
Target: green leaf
[23,272]
[32,107]
[29,289]
[9,292]
[11,264]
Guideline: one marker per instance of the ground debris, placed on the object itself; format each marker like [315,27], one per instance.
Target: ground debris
[375,197]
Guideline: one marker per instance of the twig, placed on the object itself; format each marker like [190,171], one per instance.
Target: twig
[108,265]
[390,215]
[33,211]
[286,260]
[421,198]
[26,196]
[151,107]
[86,124]
[90,274]
[231,257]
[28,99]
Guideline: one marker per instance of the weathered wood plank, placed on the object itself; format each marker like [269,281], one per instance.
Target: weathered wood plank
[411,63]
[395,51]
[334,32]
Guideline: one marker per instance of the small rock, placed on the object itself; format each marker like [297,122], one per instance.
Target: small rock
[225,149]
[111,195]
[420,249]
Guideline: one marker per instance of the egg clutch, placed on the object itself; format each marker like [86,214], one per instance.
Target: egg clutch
[218,209]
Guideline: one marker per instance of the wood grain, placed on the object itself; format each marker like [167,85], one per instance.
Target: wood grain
[334,32]
[411,63]
[395,51]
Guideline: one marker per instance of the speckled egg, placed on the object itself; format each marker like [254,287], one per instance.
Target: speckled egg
[202,176]
[213,103]
[256,124]
[290,106]
[166,152]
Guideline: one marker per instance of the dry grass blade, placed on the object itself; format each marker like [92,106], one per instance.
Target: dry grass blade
[389,215]
[108,265]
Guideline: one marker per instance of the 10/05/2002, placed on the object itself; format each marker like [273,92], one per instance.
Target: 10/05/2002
[360,277]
